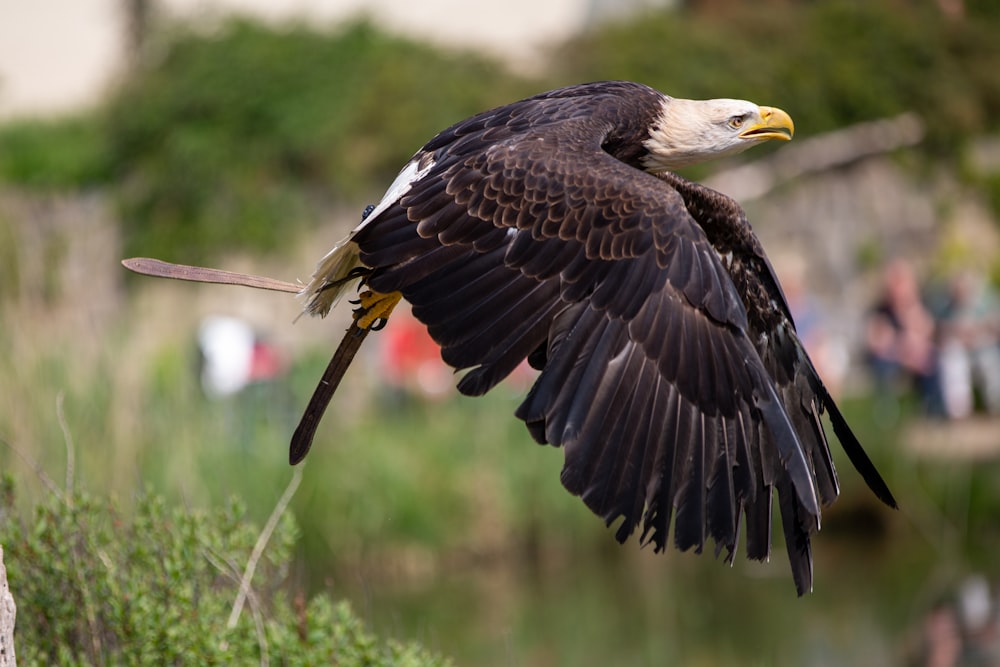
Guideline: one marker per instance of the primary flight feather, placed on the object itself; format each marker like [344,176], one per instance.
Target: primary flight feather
[553,229]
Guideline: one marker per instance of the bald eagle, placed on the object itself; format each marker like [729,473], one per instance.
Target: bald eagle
[553,229]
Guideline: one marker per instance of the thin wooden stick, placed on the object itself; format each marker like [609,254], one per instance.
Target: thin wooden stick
[199,274]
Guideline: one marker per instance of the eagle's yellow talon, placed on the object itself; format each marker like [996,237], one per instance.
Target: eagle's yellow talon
[374,308]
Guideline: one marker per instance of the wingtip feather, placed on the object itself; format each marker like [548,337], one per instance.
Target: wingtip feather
[857,455]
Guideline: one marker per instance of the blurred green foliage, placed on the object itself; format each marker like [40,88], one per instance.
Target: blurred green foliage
[829,64]
[226,139]
[154,586]
[232,135]
[53,154]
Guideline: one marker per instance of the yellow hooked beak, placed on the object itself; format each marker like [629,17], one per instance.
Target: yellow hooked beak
[774,124]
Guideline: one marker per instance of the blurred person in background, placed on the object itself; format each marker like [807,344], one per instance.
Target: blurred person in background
[828,349]
[900,338]
[232,356]
[961,629]
[969,340]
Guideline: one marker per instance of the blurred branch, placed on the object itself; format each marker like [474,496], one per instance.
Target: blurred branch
[39,471]
[817,154]
[70,447]
[262,540]
[138,20]
[231,570]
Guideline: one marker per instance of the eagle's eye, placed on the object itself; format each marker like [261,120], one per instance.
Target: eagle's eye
[736,122]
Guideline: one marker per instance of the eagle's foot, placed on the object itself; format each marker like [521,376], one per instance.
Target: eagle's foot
[374,309]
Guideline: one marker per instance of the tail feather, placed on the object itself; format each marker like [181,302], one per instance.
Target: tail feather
[303,436]
[333,275]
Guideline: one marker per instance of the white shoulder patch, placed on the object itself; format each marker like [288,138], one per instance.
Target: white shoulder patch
[337,265]
[409,175]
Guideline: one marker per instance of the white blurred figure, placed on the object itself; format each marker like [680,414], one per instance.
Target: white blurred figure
[227,351]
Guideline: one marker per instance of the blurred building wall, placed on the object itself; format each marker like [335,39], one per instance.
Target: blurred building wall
[56,54]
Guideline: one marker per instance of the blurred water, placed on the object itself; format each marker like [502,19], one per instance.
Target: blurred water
[625,607]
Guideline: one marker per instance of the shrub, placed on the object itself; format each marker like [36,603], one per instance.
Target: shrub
[95,586]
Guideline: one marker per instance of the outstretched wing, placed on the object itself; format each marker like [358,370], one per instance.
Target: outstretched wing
[533,242]
[802,391]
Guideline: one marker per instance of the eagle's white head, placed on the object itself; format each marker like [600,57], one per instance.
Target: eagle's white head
[693,131]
